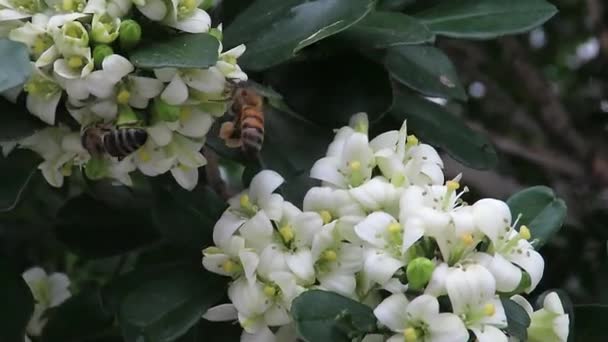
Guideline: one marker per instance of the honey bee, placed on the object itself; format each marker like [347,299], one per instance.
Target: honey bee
[247,129]
[118,142]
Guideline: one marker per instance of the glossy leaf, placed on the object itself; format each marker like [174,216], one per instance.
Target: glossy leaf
[590,323]
[385,29]
[78,319]
[17,301]
[517,319]
[18,169]
[394,5]
[322,316]
[184,51]
[168,303]
[485,19]
[94,229]
[16,122]
[438,127]
[541,210]
[19,69]
[274,31]
[425,69]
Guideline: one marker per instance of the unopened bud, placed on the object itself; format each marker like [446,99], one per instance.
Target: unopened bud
[164,111]
[100,52]
[419,272]
[130,34]
[96,168]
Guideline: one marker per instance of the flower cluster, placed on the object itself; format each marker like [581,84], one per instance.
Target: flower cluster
[48,291]
[386,229]
[77,50]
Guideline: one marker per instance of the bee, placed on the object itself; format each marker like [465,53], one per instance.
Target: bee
[247,129]
[118,142]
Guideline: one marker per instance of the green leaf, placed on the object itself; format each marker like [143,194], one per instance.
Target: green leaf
[393,5]
[384,29]
[16,122]
[486,19]
[439,127]
[18,70]
[93,229]
[517,319]
[197,51]
[80,318]
[540,210]
[18,169]
[322,316]
[166,305]
[275,30]
[590,323]
[425,69]
[18,303]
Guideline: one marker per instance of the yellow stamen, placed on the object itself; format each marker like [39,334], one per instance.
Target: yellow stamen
[524,232]
[144,155]
[467,239]
[489,309]
[326,216]
[286,233]
[245,201]
[75,62]
[394,228]
[355,165]
[123,97]
[270,291]
[189,4]
[212,250]
[330,255]
[185,113]
[452,185]
[40,46]
[411,140]
[410,335]
[228,266]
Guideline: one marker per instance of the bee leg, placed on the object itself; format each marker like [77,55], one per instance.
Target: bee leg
[227,134]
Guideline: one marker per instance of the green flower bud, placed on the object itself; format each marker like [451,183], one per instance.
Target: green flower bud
[100,52]
[215,32]
[419,272]
[126,116]
[130,34]
[104,28]
[96,168]
[164,111]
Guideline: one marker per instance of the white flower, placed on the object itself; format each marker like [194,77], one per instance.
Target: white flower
[180,81]
[186,16]
[227,63]
[331,204]
[19,9]
[153,160]
[493,218]
[245,205]
[153,9]
[104,28]
[115,8]
[67,6]
[43,95]
[549,324]
[377,194]
[419,320]
[231,259]
[188,159]
[403,160]
[472,292]
[48,291]
[349,163]
[193,122]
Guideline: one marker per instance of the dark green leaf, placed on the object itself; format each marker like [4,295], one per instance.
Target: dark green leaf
[16,122]
[425,69]
[18,70]
[18,303]
[322,316]
[17,171]
[394,5]
[485,19]
[164,307]
[437,126]
[274,31]
[540,210]
[385,29]
[517,319]
[590,323]
[80,318]
[184,51]
[93,229]
[206,331]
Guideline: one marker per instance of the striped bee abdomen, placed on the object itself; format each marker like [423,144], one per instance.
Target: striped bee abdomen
[121,142]
[252,130]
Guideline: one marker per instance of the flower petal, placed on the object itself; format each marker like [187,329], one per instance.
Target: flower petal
[263,185]
[489,334]
[302,265]
[226,226]
[447,327]
[220,313]
[327,170]
[176,92]
[391,312]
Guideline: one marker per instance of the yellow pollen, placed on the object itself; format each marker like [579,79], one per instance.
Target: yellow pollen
[144,155]
[394,228]
[123,97]
[524,232]
[245,203]
[489,309]
[411,140]
[39,46]
[410,335]
[286,233]
[330,255]
[452,185]
[75,62]
[68,5]
[467,239]
[228,266]
[325,216]
[354,165]
[185,113]
[66,169]
[270,291]
[189,4]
